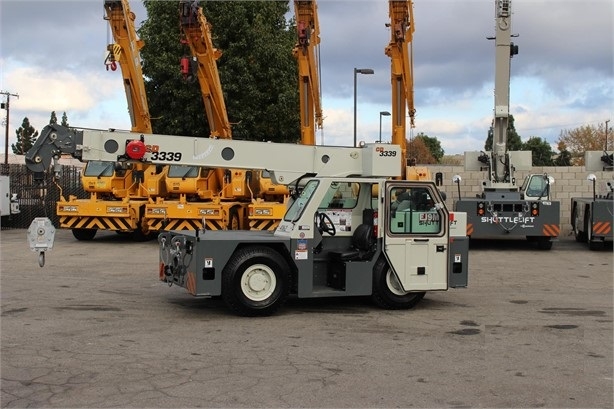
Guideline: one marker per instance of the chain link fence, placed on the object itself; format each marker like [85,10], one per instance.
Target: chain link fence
[39,198]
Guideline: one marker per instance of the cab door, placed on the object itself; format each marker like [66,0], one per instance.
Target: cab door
[416,234]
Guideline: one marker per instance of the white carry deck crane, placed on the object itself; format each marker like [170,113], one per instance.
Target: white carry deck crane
[336,238]
[504,208]
[592,218]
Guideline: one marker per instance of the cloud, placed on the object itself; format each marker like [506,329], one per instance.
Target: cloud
[562,78]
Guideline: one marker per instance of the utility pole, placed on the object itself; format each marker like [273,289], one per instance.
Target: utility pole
[6,130]
[606,135]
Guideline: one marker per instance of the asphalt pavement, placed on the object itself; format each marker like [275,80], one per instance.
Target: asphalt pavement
[94,328]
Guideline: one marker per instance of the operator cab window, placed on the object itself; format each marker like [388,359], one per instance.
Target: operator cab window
[413,211]
[341,195]
[295,210]
[98,168]
[537,186]
[182,171]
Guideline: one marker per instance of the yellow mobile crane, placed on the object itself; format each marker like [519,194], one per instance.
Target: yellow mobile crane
[226,198]
[222,199]
[118,192]
[402,80]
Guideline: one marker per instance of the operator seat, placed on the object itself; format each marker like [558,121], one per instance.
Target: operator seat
[362,248]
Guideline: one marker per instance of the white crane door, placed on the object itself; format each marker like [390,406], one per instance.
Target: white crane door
[416,235]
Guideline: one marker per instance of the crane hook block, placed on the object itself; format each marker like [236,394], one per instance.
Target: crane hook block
[41,234]
[135,149]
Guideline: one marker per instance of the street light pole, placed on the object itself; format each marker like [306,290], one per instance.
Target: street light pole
[6,130]
[382,113]
[358,71]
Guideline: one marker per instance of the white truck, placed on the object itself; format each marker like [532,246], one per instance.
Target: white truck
[9,205]
[340,236]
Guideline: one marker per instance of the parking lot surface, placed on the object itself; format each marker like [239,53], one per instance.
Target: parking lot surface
[94,328]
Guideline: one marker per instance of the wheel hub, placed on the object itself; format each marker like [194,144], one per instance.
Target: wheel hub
[258,282]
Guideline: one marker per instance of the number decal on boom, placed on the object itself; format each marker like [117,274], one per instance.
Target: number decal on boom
[384,152]
[166,156]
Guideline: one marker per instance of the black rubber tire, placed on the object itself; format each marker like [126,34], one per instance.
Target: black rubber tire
[579,235]
[84,234]
[544,243]
[141,236]
[256,281]
[386,297]
[596,245]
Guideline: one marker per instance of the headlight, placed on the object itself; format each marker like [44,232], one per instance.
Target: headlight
[69,208]
[117,209]
[264,212]
[205,212]
[156,210]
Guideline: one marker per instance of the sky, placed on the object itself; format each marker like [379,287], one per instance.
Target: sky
[52,52]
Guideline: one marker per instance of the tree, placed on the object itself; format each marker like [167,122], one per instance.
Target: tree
[417,149]
[64,120]
[541,149]
[564,157]
[582,139]
[26,137]
[54,119]
[257,70]
[514,142]
[433,145]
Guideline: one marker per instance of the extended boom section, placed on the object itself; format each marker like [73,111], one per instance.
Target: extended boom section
[285,162]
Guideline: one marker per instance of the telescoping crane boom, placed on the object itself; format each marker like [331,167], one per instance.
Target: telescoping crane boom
[126,51]
[306,52]
[335,239]
[504,209]
[402,80]
[203,64]
[118,194]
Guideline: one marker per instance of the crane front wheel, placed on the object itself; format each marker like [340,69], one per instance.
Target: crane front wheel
[256,281]
[84,234]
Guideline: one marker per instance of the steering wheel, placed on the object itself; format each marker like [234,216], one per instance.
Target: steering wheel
[325,224]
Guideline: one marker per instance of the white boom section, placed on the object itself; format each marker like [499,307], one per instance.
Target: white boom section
[503,56]
[285,162]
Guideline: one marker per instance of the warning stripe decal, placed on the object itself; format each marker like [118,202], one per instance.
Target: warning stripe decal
[602,228]
[262,225]
[469,229]
[99,223]
[190,283]
[551,230]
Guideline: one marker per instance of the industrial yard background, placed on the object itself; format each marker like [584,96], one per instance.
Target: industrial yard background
[570,181]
